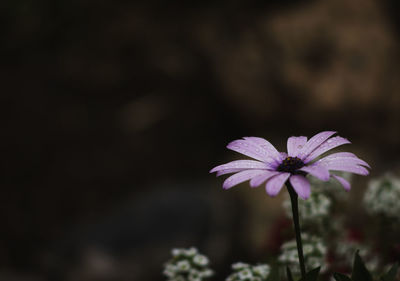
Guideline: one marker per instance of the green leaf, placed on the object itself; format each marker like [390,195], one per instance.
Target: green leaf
[274,274]
[391,274]
[312,275]
[341,277]
[360,272]
[289,274]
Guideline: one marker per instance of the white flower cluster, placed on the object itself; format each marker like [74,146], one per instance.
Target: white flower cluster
[383,196]
[187,265]
[247,272]
[314,209]
[314,252]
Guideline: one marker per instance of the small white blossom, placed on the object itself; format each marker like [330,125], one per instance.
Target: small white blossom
[206,273]
[190,252]
[314,262]
[240,265]
[194,275]
[262,270]
[321,248]
[183,265]
[245,274]
[176,252]
[307,249]
[169,273]
[171,267]
[200,260]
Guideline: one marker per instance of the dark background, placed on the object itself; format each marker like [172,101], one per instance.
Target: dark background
[113,112]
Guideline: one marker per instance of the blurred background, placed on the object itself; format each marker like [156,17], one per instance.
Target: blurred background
[113,113]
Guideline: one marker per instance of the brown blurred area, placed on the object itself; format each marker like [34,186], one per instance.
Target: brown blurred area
[113,112]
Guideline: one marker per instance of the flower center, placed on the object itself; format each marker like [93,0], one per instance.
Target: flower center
[291,165]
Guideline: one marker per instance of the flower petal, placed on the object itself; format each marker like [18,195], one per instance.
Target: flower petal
[265,145]
[260,179]
[313,143]
[345,167]
[240,177]
[295,144]
[241,164]
[344,157]
[324,147]
[274,185]
[346,185]
[228,171]
[318,171]
[251,149]
[301,185]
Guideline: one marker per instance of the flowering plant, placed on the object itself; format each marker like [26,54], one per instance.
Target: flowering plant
[291,168]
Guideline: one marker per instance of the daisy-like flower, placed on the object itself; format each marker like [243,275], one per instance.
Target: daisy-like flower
[275,168]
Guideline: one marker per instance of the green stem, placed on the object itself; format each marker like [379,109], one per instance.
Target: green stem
[295,211]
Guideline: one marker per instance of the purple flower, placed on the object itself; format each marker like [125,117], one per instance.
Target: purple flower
[276,167]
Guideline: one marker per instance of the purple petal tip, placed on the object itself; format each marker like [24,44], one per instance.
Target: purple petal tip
[305,197]
[271,194]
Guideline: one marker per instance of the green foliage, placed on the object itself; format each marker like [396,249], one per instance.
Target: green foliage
[312,275]
[289,274]
[341,277]
[361,273]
